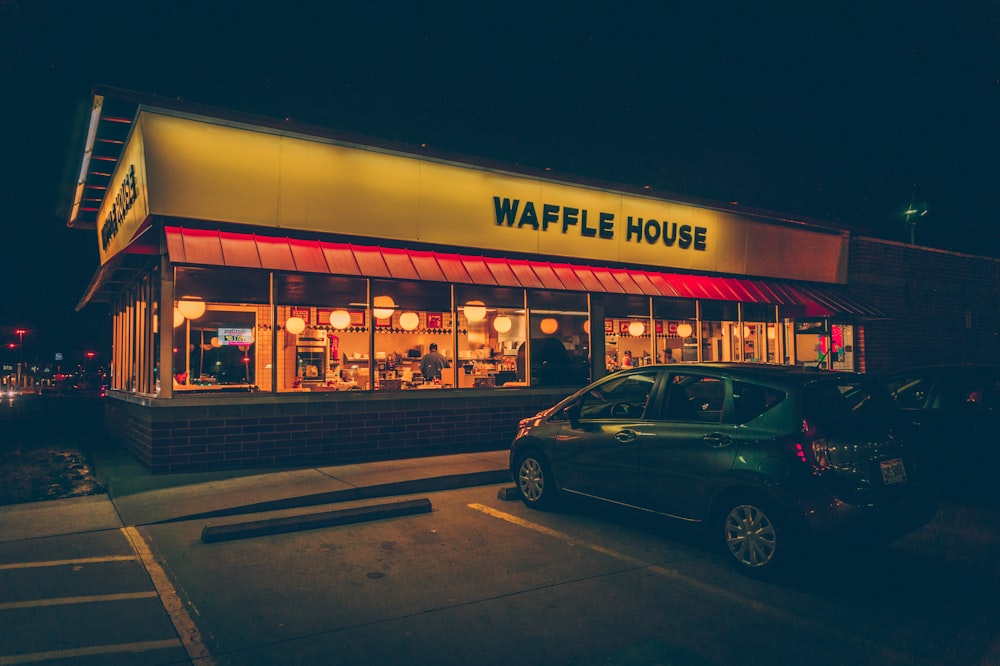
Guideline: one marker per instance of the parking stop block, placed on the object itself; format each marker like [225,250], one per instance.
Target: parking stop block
[246,530]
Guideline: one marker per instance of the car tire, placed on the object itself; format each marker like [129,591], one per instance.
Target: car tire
[534,480]
[753,535]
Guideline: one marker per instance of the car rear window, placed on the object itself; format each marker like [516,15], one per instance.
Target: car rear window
[751,400]
[837,405]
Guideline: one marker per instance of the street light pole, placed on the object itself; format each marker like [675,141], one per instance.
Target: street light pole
[20,352]
[912,215]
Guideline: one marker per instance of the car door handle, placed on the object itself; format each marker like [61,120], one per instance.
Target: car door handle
[625,436]
[717,440]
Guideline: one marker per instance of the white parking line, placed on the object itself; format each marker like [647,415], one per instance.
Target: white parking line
[63,563]
[183,624]
[92,651]
[65,601]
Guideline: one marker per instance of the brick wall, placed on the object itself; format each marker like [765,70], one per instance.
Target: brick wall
[943,306]
[208,433]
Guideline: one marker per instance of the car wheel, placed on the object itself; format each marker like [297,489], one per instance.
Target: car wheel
[534,480]
[753,536]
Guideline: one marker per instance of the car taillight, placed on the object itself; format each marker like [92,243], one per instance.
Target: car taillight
[813,450]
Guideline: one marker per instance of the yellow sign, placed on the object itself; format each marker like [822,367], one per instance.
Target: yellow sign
[126,206]
[208,169]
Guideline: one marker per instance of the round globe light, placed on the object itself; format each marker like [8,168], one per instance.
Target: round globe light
[340,319]
[502,324]
[549,326]
[295,325]
[178,317]
[409,320]
[475,311]
[684,329]
[191,307]
[384,306]
[636,328]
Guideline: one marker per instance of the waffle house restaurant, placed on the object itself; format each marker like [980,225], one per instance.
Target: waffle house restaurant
[274,293]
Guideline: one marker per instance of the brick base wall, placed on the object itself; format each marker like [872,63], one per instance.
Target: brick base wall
[210,433]
[942,306]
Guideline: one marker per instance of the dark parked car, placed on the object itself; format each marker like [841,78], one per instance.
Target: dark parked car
[767,457]
[955,411]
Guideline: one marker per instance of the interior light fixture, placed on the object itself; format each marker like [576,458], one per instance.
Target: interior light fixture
[409,320]
[502,324]
[475,311]
[549,325]
[384,306]
[191,307]
[684,329]
[636,328]
[340,319]
[178,317]
[295,325]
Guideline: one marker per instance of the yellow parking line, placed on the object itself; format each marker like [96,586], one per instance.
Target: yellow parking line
[91,651]
[521,522]
[64,601]
[183,624]
[63,563]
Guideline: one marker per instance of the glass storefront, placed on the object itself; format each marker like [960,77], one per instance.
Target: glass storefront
[238,330]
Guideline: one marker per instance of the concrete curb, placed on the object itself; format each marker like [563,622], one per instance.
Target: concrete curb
[414,486]
[231,532]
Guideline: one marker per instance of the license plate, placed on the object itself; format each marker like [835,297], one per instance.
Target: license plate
[893,471]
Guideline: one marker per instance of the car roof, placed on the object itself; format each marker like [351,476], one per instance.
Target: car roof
[760,371]
[944,369]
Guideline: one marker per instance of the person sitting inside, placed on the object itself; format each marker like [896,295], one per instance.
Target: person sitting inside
[432,363]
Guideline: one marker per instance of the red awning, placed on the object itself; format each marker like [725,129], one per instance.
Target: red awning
[221,248]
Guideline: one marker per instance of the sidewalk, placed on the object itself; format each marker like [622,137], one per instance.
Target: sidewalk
[137,498]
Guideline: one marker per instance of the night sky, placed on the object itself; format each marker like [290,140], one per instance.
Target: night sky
[838,113]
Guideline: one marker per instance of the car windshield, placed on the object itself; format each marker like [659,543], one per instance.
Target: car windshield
[843,404]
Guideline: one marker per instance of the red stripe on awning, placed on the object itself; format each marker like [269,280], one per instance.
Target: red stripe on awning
[453,268]
[478,271]
[275,254]
[547,276]
[308,256]
[608,281]
[526,276]
[219,248]
[645,284]
[663,286]
[501,272]
[202,247]
[175,245]
[588,279]
[627,283]
[370,261]
[399,263]
[568,277]
[239,250]
[340,258]
[427,266]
